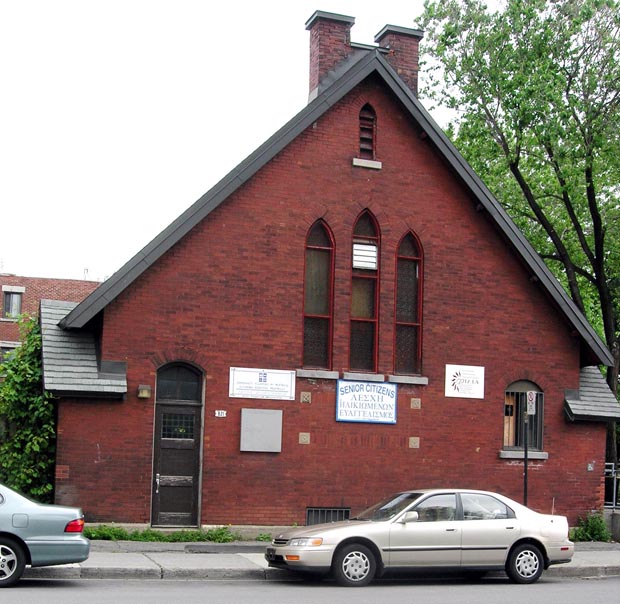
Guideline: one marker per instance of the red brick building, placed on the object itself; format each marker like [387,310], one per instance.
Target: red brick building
[347,313]
[22,295]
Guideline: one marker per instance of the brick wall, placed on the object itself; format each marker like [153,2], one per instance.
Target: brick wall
[37,289]
[231,293]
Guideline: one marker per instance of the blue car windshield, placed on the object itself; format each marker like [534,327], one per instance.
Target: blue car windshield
[388,508]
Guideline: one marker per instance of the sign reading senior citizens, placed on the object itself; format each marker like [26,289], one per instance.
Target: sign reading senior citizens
[369,402]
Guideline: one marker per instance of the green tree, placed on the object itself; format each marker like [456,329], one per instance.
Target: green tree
[535,89]
[27,446]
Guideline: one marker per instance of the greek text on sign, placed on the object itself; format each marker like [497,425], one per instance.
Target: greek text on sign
[369,402]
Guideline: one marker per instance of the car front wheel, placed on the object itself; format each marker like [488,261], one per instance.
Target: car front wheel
[525,564]
[12,562]
[354,565]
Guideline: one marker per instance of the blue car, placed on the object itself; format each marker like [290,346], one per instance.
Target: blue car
[34,534]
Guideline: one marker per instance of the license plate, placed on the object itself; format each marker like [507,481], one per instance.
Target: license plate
[270,554]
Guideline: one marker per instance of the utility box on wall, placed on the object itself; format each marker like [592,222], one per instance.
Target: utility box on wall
[261,430]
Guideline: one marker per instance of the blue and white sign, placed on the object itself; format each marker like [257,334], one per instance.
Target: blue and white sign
[368,402]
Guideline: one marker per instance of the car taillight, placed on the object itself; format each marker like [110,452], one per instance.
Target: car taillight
[75,526]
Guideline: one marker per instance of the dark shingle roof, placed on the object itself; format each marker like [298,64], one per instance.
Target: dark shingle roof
[594,401]
[70,363]
[363,63]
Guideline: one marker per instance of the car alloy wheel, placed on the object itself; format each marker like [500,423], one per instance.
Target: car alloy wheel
[12,562]
[354,565]
[525,564]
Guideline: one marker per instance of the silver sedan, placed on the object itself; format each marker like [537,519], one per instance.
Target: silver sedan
[37,535]
[447,529]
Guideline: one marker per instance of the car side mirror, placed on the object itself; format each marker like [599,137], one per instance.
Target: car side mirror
[410,517]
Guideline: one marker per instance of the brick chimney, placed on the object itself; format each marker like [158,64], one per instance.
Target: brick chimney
[403,52]
[330,43]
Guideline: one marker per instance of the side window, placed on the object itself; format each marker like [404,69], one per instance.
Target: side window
[11,305]
[484,507]
[318,297]
[368,132]
[408,320]
[518,421]
[437,508]
[364,294]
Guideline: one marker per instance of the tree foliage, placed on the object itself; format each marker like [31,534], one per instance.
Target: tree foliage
[27,447]
[535,87]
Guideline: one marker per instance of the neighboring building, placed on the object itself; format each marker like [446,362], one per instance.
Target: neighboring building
[348,313]
[22,295]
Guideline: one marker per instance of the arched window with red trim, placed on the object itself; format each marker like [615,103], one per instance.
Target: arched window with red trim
[408,312]
[364,320]
[318,296]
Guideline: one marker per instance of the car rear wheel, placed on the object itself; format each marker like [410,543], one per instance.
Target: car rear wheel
[354,565]
[525,564]
[12,562]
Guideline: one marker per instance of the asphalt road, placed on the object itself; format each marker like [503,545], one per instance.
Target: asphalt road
[436,591]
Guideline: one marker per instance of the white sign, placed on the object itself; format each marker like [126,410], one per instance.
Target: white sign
[464,381]
[531,402]
[369,402]
[272,384]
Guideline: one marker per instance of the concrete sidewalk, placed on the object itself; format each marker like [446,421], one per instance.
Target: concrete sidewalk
[245,561]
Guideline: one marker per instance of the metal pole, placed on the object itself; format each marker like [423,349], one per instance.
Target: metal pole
[525,426]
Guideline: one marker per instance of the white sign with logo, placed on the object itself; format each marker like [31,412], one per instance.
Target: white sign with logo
[271,384]
[464,381]
[369,402]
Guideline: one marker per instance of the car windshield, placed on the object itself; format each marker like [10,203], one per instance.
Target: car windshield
[388,508]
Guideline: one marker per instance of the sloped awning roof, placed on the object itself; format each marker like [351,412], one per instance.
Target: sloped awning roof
[594,402]
[70,363]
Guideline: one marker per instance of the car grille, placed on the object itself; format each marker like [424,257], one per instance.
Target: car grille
[279,542]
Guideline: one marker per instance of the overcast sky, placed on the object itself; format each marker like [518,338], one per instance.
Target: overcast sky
[116,115]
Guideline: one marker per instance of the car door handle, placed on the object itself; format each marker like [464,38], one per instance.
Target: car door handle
[450,530]
[510,528]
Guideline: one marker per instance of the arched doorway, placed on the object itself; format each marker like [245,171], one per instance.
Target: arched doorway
[176,446]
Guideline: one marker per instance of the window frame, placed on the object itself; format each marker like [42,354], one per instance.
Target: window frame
[515,396]
[329,316]
[364,279]
[367,133]
[7,304]
[418,260]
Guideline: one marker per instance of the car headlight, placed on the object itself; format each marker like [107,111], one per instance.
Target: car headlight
[305,542]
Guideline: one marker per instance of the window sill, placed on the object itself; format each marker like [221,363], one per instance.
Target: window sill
[317,374]
[520,454]
[408,379]
[363,377]
[367,163]
[8,320]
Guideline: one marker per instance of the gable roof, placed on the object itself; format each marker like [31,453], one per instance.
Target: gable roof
[361,64]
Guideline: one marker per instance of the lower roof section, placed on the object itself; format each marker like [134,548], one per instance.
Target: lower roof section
[594,401]
[70,363]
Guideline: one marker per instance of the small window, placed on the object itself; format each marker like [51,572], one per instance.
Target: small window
[12,305]
[408,322]
[364,295]
[518,421]
[178,383]
[368,125]
[318,297]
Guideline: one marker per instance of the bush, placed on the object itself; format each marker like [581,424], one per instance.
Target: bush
[105,532]
[27,416]
[592,528]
